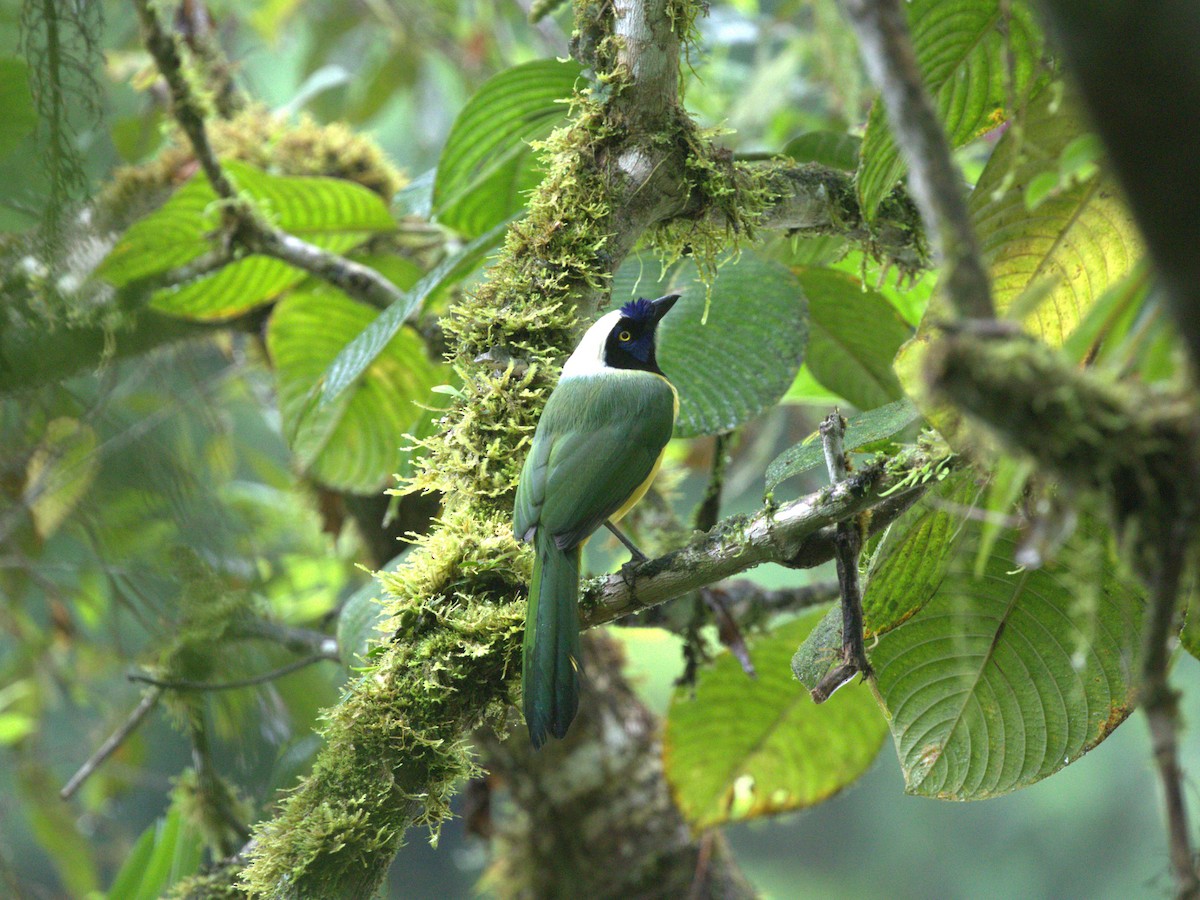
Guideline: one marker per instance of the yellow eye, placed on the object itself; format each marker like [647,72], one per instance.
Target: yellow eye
[624,336]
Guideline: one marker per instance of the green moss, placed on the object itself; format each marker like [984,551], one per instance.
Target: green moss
[726,200]
[284,147]
[1133,443]
[396,751]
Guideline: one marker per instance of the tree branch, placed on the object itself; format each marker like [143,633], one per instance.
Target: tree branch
[109,747]
[245,226]
[801,534]
[936,183]
[817,200]
[294,666]
[1160,703]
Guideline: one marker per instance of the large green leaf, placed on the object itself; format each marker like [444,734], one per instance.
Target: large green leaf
[835,149]
[1067,251]
[743,747]
[1002,679]
[739,361]
[911,560]
[855,334]
[332,213]
[866,428]
[963,49]
[487,164]
[361,351]
[353,444]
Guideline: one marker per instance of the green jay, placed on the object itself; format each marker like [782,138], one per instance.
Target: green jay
[597,447]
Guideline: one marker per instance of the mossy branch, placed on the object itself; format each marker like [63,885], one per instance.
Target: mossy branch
[1138,445]
[801,534]
[245,225]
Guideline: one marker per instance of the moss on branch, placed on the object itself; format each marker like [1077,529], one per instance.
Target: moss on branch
[1136,444]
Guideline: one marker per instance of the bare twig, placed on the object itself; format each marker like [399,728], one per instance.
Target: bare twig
[709,510]
[115,740]
[245,225]
[936,183]
[847,549]
[184,685]
[1160,703]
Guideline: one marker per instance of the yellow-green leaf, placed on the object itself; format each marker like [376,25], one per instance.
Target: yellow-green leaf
[1077,242]
[59,473]
[742,747]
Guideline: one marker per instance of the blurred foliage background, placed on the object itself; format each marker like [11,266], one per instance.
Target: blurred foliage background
[131,489]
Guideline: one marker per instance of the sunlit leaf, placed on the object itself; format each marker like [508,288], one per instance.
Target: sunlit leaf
[332,213]
[487,164]
[354,443]
[59,472]
[807,390]
[741,747]
[1073,246]
[964,49]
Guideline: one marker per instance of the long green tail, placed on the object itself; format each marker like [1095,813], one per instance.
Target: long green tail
[551,656]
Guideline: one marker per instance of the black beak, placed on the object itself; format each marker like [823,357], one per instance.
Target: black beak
[663,305]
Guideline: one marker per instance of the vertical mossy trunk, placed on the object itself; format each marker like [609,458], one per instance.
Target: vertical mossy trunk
[395,749]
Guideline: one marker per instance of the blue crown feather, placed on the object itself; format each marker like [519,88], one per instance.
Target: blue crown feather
[638,309]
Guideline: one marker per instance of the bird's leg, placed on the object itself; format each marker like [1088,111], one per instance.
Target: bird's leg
[638,556]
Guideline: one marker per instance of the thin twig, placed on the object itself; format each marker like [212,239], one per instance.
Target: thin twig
[847,549]
[934,179]
[709,510]
[1160,704]
[115,740]
[233,685]
[245,225]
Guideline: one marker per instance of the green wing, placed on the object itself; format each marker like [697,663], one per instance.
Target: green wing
[597,441]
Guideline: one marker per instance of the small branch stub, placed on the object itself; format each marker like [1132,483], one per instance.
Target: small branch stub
[847,547]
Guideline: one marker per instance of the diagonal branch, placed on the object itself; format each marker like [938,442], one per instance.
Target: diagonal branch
[802,534]
[246,227]
[936,183]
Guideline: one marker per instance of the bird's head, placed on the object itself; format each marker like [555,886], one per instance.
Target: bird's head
[630,343]
[621,339]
